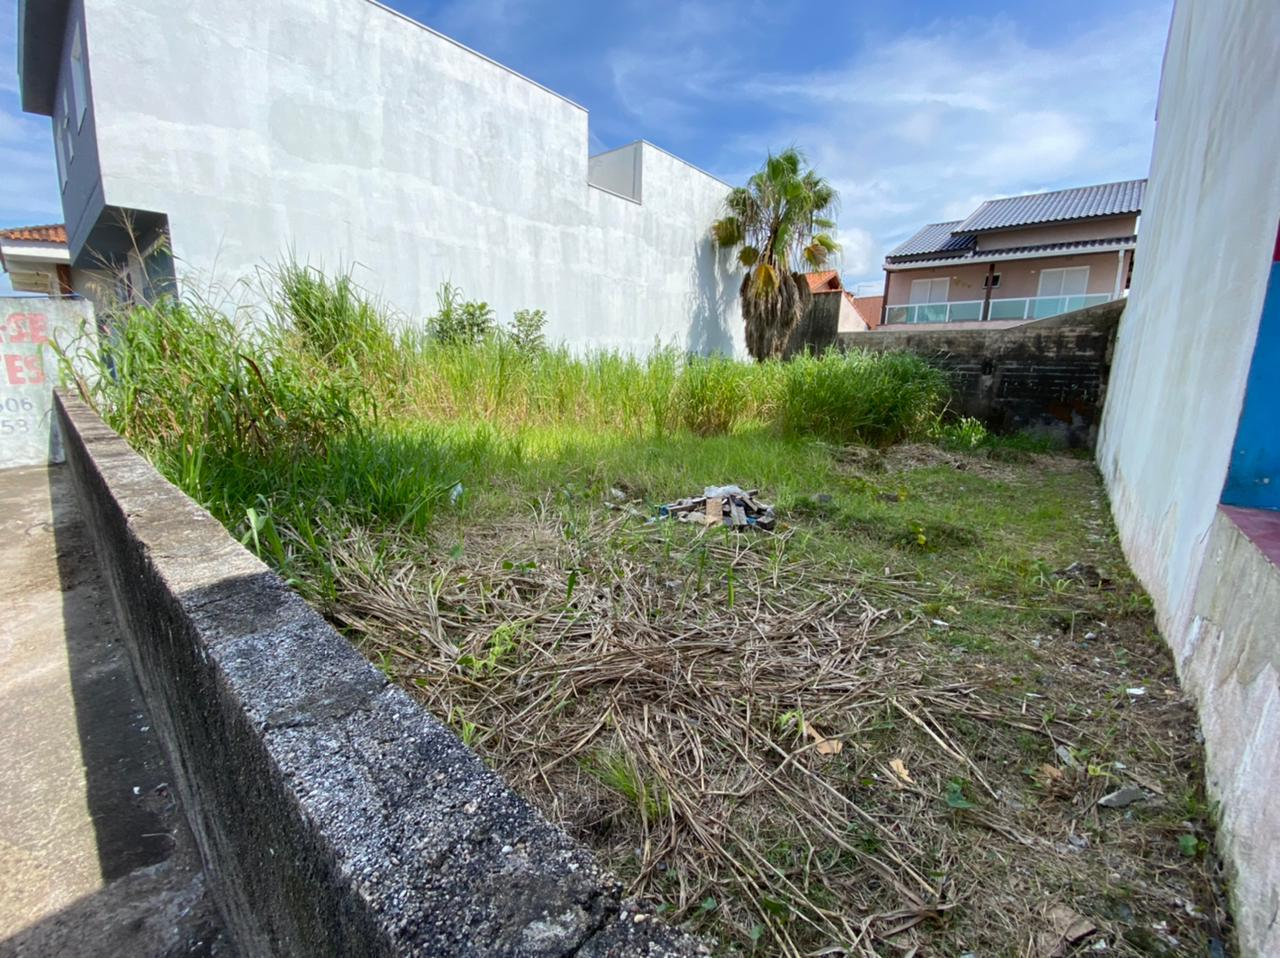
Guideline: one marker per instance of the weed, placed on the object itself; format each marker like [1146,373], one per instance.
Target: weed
[618,771]
[528,332]
[458,321]
[502,642]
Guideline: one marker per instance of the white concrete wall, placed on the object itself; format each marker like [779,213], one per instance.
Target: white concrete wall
[356,137]
[849,321]
[1177,384]
[618,171]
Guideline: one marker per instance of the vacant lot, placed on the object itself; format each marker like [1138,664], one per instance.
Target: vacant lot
[929,711]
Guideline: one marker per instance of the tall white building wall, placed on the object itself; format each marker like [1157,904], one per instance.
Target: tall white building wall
[355,137]
[1177,385]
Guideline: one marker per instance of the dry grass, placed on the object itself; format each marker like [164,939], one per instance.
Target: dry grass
[780,742]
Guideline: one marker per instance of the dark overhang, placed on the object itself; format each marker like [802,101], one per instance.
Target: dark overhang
[41,26]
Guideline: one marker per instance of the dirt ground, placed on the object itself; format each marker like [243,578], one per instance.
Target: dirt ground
[929,715]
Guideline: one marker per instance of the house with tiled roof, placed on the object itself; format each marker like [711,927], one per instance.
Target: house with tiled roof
[1018,258]
[831,298]
[36,259]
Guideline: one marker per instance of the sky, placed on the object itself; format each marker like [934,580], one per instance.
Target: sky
[916,110]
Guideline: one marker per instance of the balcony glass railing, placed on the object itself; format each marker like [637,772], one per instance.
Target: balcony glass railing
[970,310]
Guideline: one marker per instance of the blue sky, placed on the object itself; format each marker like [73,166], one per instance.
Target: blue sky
[917,111]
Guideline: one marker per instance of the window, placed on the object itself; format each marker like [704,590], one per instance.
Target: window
[991,280]
[1064,282]
[57,152]
[62,145]
[68,144]
[77,78]
[930,290]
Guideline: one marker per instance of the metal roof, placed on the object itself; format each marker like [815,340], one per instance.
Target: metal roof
[1072,246]
[1106,244]
[1082,202]
[934,238]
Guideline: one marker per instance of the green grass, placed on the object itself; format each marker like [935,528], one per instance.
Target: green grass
[328,414]
[618,771]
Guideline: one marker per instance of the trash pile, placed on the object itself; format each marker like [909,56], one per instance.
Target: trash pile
[721,506]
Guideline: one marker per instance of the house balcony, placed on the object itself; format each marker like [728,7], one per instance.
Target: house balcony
[970,310]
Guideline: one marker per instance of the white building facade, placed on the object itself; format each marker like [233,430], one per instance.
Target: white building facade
[1192,403]
[350,137]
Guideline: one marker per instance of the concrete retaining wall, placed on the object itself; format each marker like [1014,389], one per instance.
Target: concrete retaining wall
[1185,348]
[1046,376]
[334,815]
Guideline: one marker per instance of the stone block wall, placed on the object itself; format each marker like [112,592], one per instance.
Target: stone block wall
[1048,376]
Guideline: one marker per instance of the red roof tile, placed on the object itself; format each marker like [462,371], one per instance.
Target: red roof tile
[823,281]
[53,233]
[868,307]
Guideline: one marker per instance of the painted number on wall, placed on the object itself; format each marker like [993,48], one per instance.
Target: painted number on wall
[12,420]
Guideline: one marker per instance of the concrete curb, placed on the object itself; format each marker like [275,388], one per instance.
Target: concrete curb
[335,816]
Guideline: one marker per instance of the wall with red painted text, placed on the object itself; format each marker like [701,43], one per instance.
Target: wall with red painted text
[30,331]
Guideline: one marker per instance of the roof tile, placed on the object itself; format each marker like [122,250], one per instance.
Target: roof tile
[1082,202]
[53,233]
[822,281]
[869,308]
[934,238]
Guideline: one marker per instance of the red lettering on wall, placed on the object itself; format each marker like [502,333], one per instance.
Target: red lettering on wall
[23,370]
[27,328]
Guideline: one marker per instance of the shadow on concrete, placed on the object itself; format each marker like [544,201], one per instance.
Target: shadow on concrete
[713,290]
[153,899]
[126,775]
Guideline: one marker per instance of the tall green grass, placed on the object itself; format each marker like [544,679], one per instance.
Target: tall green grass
[860,396]
[324,416]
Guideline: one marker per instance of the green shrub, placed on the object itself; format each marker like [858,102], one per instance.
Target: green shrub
[459,321]
[528,330]
[968,434]
[963,433]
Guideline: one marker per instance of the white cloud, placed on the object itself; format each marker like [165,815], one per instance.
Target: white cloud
[923,128]
[857,251]
[913,128]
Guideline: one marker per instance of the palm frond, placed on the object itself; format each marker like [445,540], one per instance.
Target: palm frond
[727,231]
[764,280]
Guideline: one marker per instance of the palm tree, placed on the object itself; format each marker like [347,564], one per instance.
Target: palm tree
[779,222]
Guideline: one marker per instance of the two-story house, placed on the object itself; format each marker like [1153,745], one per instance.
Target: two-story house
[1018,258]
